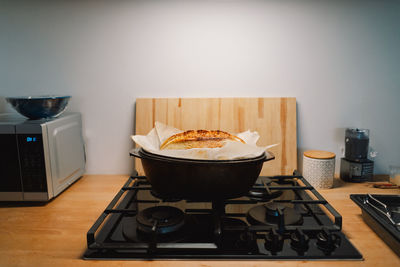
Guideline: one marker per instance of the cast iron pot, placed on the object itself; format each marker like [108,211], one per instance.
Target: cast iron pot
[206,180]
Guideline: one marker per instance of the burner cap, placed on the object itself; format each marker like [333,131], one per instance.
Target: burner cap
[130,232]
[272,209]
[162,219]
[269,214]
[262,193]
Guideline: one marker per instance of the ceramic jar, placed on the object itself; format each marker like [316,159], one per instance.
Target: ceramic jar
[319,168]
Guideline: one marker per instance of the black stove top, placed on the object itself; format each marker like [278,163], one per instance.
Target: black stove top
[282,218]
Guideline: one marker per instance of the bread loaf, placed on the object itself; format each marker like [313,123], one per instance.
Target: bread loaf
[199,139]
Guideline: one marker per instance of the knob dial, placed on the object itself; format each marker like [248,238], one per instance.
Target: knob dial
[246,240]
[327,241]
[299,241]
[273,241]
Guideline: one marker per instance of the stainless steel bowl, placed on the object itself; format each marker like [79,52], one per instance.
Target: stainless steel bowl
[39,107]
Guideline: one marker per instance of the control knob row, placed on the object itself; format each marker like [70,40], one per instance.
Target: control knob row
[299,241]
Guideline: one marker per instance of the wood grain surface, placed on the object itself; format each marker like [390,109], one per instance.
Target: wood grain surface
[55,234]
[273,118]
[319,154]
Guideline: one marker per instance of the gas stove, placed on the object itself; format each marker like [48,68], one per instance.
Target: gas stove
[281,218]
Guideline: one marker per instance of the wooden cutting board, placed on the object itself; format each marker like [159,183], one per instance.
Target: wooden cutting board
[273,118]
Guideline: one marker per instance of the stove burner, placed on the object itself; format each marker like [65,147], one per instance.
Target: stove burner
[160,219]
[265,194]
[130,232]
[274,213]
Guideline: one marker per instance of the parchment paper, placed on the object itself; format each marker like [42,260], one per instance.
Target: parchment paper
[231,150]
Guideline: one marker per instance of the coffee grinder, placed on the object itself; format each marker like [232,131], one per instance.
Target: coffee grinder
[355,166]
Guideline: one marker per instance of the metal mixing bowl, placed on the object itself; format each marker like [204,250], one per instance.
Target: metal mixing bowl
[39,107]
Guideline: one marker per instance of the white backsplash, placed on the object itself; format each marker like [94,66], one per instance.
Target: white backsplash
[340,59]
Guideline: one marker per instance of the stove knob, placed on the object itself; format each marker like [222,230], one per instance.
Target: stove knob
[273,242]
[327,241]
[247,240]
[299,241]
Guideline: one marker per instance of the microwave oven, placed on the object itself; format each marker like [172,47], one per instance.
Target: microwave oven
[39,158]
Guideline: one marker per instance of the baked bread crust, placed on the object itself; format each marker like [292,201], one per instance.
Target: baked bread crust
[199,139]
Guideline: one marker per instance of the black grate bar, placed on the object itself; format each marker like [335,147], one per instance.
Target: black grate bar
[199,210]
[90,234]
[147,201]
[336,215]
[139,177]
[235,214]
[210,211]
[298,201]
[124,211]
[93,229]
[119,194]
[137,188]
[240,201]
[226,202]
[294,187]
[283,177]
[197,201]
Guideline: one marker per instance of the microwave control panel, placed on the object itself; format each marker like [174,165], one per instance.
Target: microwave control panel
[31,156]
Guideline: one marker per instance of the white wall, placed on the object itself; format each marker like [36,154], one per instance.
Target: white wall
[340,59]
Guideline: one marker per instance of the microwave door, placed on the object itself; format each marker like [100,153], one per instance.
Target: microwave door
[10,176]
[66,152]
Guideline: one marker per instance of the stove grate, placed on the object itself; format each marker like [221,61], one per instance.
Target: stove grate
[104,238]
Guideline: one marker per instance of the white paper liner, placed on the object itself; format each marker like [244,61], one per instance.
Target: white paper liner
[231,150]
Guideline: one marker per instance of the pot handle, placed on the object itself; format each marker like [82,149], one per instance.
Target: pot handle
[135,153]
[269,156]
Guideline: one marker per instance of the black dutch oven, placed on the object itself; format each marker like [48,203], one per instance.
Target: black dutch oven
[206,180]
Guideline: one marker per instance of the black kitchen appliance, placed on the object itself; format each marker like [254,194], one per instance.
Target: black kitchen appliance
[382,214]
[281,217]
[355,166]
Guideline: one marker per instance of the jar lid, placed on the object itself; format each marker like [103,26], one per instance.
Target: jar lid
[319,154]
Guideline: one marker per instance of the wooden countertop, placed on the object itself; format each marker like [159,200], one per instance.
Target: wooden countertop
[55,234]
